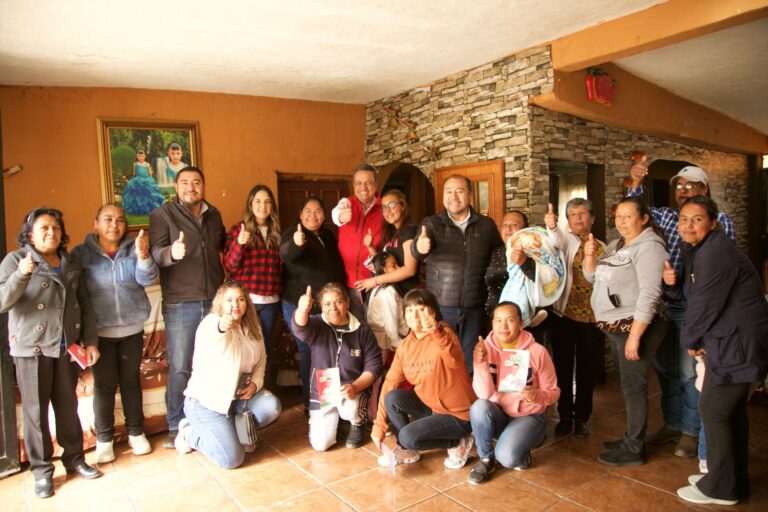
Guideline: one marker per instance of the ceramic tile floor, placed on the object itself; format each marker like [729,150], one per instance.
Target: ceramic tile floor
[285,474]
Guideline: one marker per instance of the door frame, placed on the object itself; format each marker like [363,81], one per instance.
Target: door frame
[496,191]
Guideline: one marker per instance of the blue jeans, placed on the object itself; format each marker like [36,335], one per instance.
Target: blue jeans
[267,315]
[181,320]
[468,323]
[515,435]
[677,377]
[214,433]
[305,354]
[417,427]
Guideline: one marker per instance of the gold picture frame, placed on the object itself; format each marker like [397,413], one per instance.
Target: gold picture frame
[138,161]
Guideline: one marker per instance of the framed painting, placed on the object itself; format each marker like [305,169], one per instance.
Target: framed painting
[139,160]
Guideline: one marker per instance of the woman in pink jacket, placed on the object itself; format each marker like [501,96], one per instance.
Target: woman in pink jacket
[517,420]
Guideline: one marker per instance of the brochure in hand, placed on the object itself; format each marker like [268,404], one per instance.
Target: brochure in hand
[328,385]
[513,370]
[78,354]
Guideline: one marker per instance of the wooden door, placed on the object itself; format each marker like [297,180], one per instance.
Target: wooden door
[292,189]
[487,186]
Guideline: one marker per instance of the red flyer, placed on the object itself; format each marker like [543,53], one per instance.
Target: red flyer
[328,386]
[78,354]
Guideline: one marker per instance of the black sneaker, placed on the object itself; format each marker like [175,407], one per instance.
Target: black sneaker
[170,439]
[621,457]
[564,428]
[355,436]
[482,470]
[612,445]
[581,429]
[663,436]
[526,464]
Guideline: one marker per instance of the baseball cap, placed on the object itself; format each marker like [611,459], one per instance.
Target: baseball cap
[691,173]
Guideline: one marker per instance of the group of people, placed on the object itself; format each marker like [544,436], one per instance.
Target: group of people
[374,346]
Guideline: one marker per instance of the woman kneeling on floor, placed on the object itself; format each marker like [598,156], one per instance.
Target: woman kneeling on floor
[227,378]
[515,416]
[347,360]
[430,358]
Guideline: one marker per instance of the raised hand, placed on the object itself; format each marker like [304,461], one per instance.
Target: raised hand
[142,245]
[299,238]
[26,265]
[427,321]
[226,321]
[423,243]
[178,249]
[550,219]
[306,302]
[345,211]
[244,236]
[368,239]
[669,276]
[480,354]
[590,246]
[515,252]
[639,171]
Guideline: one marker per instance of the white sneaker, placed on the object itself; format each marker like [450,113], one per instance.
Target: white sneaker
[694,495]
[140,444]
[105,452]
[180,443]
[402,456]
[692,479]
[458,456]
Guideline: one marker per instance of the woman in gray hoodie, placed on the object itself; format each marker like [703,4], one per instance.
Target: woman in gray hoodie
[625,298]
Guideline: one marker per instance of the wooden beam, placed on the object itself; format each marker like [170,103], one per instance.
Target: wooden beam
[643,107]
[655,27]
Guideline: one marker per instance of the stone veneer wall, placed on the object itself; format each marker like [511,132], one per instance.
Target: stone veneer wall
[483,114]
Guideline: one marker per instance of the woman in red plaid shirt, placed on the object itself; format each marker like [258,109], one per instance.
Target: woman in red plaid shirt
[252,256]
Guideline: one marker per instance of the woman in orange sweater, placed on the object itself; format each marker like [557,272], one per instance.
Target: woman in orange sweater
[430,358]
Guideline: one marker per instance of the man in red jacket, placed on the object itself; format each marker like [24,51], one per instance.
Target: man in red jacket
[358,216]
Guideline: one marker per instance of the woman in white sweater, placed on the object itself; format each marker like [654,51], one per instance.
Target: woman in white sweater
[227,375]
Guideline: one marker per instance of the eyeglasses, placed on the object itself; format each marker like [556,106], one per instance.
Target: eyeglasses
[390,205]
[687,187]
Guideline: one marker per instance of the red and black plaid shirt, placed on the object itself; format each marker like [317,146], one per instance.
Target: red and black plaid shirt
[258,270]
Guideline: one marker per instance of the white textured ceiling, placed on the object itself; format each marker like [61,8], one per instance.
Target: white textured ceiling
[334,50]
[726,71]
[344,50]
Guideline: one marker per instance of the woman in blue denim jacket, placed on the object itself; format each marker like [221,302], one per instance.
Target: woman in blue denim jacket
[117,268]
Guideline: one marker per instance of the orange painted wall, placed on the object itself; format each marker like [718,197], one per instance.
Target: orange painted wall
[52,132]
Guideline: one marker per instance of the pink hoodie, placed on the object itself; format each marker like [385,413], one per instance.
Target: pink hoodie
[544,378]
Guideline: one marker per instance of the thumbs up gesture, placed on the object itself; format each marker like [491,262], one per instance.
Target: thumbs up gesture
[639,171]
[423,243]
[244,236]
[306,302]
[368,239]
[550,219]
[480,354]
[26,265]
[142,245]
[299,238]
[178,249]
[669,276]
[345,211]
[515,252]
[590,246]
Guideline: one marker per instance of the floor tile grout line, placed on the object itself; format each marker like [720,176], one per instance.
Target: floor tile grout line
[454,500]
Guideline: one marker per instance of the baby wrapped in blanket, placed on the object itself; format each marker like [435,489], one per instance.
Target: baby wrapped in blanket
[549,280]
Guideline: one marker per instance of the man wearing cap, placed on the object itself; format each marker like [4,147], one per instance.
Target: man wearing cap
[186,237]
[358,216]
[674,367]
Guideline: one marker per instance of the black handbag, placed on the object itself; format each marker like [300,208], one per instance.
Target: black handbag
[245,426]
